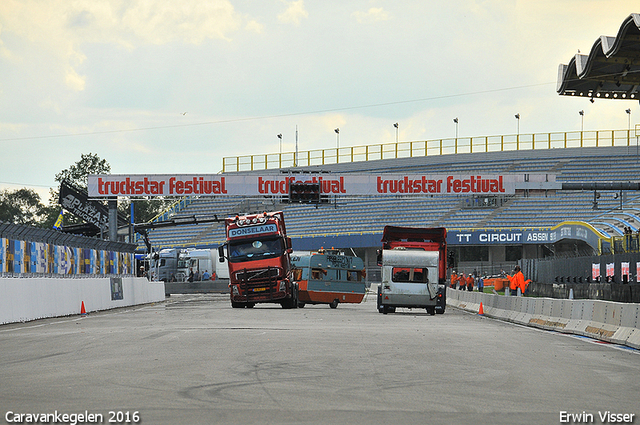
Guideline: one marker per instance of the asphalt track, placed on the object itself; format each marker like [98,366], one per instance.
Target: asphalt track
[194,360]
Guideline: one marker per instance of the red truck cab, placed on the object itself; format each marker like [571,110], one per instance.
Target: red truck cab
[257,252]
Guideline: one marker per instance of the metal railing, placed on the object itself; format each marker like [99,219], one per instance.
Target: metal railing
[511,142]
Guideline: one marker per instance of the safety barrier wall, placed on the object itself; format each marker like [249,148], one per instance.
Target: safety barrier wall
[604,320]
[25,299]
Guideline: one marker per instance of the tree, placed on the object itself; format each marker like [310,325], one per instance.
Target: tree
[144,210]
[21,206]
[78,172]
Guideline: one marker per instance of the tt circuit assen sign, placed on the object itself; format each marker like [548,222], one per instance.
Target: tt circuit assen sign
[565,230]
[108,185]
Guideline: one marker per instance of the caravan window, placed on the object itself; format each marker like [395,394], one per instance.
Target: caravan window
[354,275]
[411,275]
[318,274]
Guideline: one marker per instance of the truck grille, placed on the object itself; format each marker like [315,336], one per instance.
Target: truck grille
[260,276]
[261,284]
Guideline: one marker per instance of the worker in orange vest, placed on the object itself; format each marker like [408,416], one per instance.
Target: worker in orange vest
[516,281]
[470,281]
[454,280]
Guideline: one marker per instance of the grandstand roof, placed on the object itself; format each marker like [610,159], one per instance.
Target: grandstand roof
[611,70]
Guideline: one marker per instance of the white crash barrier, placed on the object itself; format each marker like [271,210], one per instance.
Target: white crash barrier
[604,320]
[25,299]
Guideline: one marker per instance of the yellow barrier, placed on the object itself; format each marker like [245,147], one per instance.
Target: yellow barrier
[573,139]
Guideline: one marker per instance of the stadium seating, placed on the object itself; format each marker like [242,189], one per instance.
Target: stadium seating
[369,214]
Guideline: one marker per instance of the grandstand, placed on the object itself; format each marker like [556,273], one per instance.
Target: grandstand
[357,221]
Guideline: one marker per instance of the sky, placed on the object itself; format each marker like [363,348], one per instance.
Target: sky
[165,86]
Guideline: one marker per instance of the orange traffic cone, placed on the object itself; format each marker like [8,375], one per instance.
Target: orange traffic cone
[82,309]
[480,310]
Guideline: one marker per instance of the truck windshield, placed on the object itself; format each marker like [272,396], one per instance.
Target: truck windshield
[255,249]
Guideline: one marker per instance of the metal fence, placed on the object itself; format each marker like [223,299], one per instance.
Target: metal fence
[511,142]
[579,269]
[35,234]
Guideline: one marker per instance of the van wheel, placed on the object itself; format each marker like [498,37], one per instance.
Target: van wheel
[431,310]
[334,303]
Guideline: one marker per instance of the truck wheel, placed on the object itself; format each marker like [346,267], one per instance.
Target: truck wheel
[250,305]
[334,303]
[237,305]
[293,301]
[431,310]
[287,304]
[300,305]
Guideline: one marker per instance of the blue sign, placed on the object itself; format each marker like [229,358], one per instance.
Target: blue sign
[523,236]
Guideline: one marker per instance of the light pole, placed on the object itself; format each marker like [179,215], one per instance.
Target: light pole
[337,130]
[628,111]
[518,132]
[455,120]
[280,156]
[396,126]
[581,121]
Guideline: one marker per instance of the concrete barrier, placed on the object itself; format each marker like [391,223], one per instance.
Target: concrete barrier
[220,286]
[25,299]
[604,320]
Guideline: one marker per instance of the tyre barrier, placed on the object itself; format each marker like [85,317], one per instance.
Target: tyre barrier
[609,321]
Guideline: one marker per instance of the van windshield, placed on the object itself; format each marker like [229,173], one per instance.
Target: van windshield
[255,249]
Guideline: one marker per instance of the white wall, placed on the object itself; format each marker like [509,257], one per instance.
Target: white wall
[24,299]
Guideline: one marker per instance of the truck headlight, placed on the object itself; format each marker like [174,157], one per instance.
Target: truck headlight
[283,285]
[234,290]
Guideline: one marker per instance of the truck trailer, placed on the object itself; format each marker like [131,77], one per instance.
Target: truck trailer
[258,255]
[175,264]
[414,268]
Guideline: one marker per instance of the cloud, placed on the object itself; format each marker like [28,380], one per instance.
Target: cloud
[375,14]
[191,21]
[254,26]
[62,29]
[295,11]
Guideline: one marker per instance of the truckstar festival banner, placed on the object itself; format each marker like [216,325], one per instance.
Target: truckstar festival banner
[108,185]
